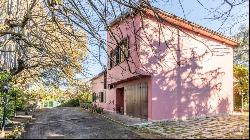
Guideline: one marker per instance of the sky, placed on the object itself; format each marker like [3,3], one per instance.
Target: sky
[193,12]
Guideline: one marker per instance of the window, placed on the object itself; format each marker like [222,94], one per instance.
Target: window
[112,59]
[124,50]
[110,86]
[119,54]
[102,97]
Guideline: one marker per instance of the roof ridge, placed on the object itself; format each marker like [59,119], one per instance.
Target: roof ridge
[98,75]
[201,29]
[196,24]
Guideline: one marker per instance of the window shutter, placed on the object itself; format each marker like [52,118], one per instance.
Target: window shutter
[126,47]
[105,80]
[117,53]
[101,94]
[110,60]
[104,97]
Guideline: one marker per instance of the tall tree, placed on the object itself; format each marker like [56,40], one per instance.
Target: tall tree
[40,46]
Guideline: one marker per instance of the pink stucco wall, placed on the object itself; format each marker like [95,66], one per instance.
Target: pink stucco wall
[110,103]
[128,68]
[202,84]
[191,75]
[97,86]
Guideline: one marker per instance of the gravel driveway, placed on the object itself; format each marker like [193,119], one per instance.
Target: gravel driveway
[75,123]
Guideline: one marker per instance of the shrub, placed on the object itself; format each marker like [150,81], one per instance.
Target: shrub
[71,103]
[16,101]
[99,110]
[85,97]
[96,109]
[87,105]
[246,107]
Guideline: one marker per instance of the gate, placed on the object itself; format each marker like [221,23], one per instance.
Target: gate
[137,100]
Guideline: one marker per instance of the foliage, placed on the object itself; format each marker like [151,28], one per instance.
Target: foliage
[5,77]
[71,103]
[241,85]
[74,95]
[48,50]
[42,93]
[241,53]
[16,101]
[15,96]
[85,97]
[16,133]
[87,105]
[99,110]
[246,105]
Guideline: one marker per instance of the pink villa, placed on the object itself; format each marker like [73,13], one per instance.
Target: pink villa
[162,67]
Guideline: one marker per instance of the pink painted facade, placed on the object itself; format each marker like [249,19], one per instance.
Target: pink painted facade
[97,86]
[188,74]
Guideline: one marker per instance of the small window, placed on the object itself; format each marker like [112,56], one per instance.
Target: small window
[110,86]
[102,97]
[111,60]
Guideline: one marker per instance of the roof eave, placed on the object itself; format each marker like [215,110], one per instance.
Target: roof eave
[98,75]
[178,21]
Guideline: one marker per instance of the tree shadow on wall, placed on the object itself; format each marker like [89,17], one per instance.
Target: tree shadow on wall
[182,83]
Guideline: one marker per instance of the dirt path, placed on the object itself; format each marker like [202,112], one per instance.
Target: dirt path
[74,123]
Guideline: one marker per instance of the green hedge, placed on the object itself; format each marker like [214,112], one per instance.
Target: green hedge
[71,103]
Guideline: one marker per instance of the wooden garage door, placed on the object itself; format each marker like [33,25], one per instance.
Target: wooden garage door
[137,100]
